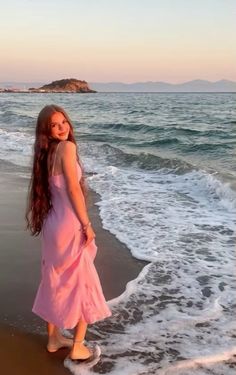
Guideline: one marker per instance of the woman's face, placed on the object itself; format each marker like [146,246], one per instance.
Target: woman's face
[59,126]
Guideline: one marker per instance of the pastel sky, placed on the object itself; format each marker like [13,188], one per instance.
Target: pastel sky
[111,40]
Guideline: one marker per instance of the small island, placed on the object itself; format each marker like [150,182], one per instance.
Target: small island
[68,85]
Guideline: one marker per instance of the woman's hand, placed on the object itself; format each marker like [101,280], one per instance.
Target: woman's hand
[89,234]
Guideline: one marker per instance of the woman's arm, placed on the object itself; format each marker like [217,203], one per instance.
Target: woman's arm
[68,152]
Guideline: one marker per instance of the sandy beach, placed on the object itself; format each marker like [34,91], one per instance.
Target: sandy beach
[21,331]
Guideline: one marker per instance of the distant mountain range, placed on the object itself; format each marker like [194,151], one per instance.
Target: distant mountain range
[191,86]
[150,86]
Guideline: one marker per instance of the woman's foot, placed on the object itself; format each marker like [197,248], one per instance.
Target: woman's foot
[80,352]
[58,342]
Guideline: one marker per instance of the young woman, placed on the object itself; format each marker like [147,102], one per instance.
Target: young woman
[70,294]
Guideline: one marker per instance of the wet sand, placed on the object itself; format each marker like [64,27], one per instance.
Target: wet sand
[22,332]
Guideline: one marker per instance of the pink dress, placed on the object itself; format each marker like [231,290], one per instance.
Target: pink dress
[70,288]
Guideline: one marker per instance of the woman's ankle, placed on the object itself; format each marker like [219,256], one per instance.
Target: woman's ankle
[78,344]
[55,336]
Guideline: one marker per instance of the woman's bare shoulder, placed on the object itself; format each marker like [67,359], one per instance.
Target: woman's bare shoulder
[67,147]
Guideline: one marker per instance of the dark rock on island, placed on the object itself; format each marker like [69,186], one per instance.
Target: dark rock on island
[65,85]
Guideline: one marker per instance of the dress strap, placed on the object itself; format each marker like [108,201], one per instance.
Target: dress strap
[55,159]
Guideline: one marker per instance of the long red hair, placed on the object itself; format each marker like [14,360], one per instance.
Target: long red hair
[39,195]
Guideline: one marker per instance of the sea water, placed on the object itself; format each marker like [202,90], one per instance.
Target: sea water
[165,168]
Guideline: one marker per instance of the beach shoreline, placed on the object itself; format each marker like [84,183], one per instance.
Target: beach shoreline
[21,330]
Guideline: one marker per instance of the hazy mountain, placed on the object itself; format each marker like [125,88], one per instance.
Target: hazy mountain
[191,86]
[197,85]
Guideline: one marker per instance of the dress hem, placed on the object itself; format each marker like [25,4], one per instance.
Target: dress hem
[63,326]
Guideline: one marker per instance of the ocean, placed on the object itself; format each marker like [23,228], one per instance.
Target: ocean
[165,168]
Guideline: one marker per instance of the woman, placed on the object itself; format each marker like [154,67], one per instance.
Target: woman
[70,294]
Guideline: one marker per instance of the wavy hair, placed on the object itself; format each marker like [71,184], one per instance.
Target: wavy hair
[39,196]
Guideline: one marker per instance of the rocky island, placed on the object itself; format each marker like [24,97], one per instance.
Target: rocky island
[69,85]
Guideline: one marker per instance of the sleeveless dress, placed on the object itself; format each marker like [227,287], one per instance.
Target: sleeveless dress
[70,288]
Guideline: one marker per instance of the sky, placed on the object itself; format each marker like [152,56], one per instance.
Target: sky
[109,40]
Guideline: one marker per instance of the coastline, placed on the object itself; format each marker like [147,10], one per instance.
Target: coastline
[22,331]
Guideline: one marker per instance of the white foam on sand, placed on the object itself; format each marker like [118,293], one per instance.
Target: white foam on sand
[182,305]
[183,367]
[16,146]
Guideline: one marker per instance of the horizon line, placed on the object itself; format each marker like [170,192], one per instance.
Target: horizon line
[127,83]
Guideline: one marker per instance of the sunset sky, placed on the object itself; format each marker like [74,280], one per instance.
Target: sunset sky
[125,40]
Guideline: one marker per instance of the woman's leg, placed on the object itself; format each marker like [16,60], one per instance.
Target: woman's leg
[80,331]
[52,331]
[56,340]
[79,350]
